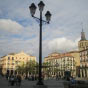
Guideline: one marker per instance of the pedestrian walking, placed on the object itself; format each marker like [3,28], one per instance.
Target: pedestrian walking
[56,77]
[12,81]
[9,81]
[19,80]
[15,79]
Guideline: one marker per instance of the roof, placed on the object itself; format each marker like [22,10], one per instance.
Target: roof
[59,56]
[73,52]
[17,54]
[12,54]
[3,56]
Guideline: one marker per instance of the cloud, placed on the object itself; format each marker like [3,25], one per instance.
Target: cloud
[31,46]
[10,26]
[16,45]
[19,31]
[63,44]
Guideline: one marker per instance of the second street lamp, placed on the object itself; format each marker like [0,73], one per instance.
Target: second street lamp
[48,17]
[32,9]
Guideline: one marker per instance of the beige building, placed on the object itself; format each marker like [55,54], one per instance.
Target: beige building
[76,55]
[10,62]
[84,63]
[83,49]
[59,63]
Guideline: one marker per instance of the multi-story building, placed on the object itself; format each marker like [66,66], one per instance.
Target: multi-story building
[84,63]
[59,63]
[83,49]
[76,55]
[10,62]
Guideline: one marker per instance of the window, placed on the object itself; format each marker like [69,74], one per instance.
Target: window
[8,58]
[16,62]
[80,54]
[81,44]
[67,59]
[86,44]
[80,59]
[12,58]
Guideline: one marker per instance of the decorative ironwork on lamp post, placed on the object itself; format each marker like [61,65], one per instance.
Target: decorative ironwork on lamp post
[48,17]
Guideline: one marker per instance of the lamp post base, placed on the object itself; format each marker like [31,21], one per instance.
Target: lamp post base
[40,83]
[40,86]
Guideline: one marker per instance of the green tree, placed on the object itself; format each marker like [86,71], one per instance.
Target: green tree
[47,68]
[29,67]
[21,68]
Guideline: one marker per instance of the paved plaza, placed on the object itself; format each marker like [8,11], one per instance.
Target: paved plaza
[29,84]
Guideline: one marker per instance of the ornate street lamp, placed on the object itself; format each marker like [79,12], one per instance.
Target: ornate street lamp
[41,6]
[48,17]
[32,9]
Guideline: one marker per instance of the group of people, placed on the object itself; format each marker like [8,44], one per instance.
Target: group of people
[14,80]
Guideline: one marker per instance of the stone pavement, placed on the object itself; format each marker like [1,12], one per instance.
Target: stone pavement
[29,84]
[54,83]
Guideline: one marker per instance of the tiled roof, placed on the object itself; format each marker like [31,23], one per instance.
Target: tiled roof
[59,56]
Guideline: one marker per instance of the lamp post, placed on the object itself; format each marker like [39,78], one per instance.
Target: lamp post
[48,17]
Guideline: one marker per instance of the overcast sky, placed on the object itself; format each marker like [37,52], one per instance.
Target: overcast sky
[20,32]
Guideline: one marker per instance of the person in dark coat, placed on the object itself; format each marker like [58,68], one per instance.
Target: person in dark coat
[19,80]
[12,81]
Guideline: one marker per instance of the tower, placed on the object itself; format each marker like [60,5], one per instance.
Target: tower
[83,35]
[83,43]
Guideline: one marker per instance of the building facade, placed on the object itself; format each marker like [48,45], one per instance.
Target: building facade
[59,63]
[84,63]
[10,62]
[83,49]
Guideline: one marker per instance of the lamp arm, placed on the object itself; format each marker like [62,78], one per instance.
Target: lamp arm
[39,19]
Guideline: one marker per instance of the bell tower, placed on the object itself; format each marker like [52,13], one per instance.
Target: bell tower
[83,35]
[83,43]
